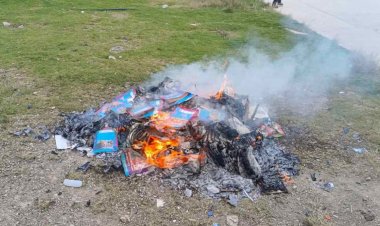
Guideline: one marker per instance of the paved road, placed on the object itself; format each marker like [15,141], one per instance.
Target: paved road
[354,24]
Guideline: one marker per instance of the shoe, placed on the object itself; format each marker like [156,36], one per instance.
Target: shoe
[280,4]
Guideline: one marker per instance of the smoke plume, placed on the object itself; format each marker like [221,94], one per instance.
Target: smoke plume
[307,70]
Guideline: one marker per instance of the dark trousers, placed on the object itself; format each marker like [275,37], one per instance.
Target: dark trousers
[275,2]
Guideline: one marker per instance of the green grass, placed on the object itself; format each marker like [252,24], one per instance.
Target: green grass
[67,51]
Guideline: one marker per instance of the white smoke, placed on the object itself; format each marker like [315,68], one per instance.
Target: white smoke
[308,69]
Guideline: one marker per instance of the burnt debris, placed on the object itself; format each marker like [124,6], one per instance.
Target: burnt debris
[192,142]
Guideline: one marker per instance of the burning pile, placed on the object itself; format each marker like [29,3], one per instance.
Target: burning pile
[218,145]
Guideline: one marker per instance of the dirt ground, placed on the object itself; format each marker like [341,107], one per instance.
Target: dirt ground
[32,174]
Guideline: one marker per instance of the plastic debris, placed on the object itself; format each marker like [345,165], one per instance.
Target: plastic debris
[188,192]
[329,186]
[23,132]
[359,150]
[160,203]
[72,183]
[6,24]
[210,213]
[84,167]
[313,177]
[61,143]
[212,189]
[42,134]
[233,200]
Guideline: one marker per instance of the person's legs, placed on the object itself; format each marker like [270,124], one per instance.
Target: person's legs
[274,3]
[279,2]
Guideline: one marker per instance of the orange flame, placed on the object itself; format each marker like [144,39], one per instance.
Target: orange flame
[224,89]
[165,152]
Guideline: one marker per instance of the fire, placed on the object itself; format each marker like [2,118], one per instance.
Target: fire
[224,89]
[165,152]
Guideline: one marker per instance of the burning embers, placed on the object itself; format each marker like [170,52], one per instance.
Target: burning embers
[167,128]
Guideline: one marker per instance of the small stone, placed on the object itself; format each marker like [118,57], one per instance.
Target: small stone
[82,11]
[368,179]
[165,6]
[88,203]
[212,189]
[6,24]
[188,192]
[111,57]
[125,219]
[117,49]
[20,27]
[29,106]
[232,220]
[368,215]
[35,93]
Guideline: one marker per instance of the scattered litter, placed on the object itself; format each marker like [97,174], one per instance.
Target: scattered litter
[23,132]
[111,57]
[232,220]
[160,203]
[359,150]
[313,177]
[210,213]
[188,192]
[42,134]
[117,49]
[341,92]
[61,143]
[215,224]
[84,167]
[346,130]
[213,189]
[165,6]
[356,136]
[233,200]
[72,183]
[6,24]
[329,186]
